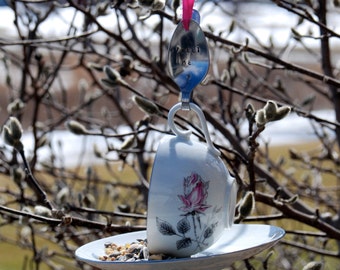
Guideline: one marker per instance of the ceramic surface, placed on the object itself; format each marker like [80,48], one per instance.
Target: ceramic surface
[189,197]
[237,243]
[192,196]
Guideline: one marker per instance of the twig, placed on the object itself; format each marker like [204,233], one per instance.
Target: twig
[33,42]
[72,221]
[289,66]
[107,213]
[319,251]
[291,212]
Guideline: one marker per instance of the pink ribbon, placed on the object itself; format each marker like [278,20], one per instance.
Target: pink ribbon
[188,5]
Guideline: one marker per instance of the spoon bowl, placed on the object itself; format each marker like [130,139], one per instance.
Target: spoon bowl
[188,59]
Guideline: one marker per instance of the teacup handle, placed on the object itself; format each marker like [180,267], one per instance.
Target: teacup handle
[187,133]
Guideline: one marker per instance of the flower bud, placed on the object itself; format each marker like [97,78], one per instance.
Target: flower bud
[225,76]
[128,143]
[158,4]
[260,118]
[15,127]
[282,113]
[95,66]
[112,74]
[292,199]
[313,266]
[63,195]
[25,234]
[247,204]
[42,141]
[42,211]
[12,133]
[97,152]
[146,3]
[76,127]
[270,110]
[250,112]
[146,105]
[127,61]
[6,134]
[15,106]
[127,66]
[296,34]
[89,200]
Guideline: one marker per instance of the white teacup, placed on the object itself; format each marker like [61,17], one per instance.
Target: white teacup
[192,196]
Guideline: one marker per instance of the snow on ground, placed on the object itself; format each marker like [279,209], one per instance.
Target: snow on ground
[69,149]
[266,21]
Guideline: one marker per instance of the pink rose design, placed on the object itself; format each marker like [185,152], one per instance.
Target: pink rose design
[195,194]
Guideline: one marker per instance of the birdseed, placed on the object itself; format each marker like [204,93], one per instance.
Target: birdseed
[130,252]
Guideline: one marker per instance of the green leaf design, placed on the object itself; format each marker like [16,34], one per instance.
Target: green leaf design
[165,227]
[183,226]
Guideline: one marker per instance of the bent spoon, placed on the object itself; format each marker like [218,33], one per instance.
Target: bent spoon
[188,59]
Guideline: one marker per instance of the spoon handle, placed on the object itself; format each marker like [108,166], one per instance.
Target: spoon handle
[188,59]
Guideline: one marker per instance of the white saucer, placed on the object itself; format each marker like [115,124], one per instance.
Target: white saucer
[240,242]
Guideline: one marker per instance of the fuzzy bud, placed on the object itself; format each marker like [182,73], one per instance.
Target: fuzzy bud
[127,66]
[247,204]
[95,66]
[313,266]
[15,106]
[15,127]
[270,110]
[42,141]
[146,3]
[97,152]
[76,127]
[158,4]
[292,199]
[282,113]
[124,208]
[260,117]
[127,61]
[146,105]
[112,75]
[12,133]
[89,200]
[296,34]
[225,76]
[25,234]
[63,195]
[128,143]
[6,134]
[250,112]
[42,211]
